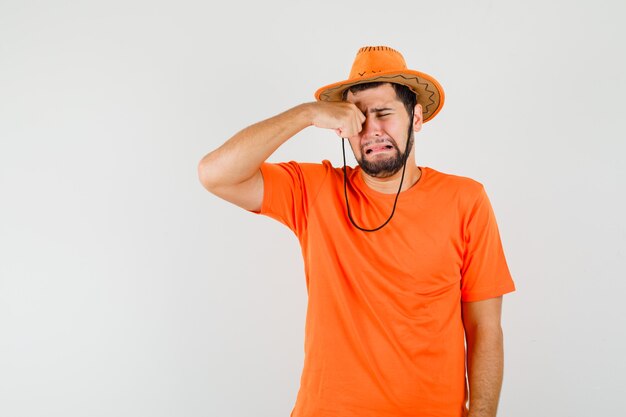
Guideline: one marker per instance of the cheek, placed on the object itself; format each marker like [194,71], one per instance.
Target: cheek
[393,128]
[398,132]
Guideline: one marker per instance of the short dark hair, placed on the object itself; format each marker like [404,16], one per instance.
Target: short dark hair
[403,93]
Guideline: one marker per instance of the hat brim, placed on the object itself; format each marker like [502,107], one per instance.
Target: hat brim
[429,92]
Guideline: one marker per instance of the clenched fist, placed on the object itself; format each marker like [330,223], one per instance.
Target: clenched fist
[343,117]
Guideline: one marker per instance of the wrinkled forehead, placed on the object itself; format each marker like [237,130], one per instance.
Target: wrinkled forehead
[380,96]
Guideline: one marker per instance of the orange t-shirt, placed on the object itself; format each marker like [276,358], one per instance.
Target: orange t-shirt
[383,334]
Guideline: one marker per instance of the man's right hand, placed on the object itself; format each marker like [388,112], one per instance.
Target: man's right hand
[344,118]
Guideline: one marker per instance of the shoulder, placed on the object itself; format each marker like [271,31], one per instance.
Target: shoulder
[304,173]
[325,165]
[458,184]
[311,168]
[321,169]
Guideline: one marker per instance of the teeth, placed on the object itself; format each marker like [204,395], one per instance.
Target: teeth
[371,149]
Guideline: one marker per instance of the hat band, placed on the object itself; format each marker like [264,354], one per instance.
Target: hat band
[425,93]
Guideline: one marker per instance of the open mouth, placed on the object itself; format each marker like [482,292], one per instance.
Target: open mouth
[377,149]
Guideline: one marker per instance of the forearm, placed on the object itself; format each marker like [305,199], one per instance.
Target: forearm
[485,358]
[240,157]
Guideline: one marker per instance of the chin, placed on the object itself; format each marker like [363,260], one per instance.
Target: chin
[379,172]
[384,174]
[382,167]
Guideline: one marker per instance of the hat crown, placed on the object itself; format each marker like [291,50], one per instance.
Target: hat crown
[374,59]
[385,64]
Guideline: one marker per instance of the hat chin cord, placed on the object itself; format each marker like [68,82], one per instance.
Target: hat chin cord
[345,188]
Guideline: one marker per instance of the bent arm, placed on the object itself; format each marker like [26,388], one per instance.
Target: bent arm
[240,157]
[232,171]
[485,355]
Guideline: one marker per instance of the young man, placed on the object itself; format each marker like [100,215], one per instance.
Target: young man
[404,264]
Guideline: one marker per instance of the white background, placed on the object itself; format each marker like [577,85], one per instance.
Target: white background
[128,290]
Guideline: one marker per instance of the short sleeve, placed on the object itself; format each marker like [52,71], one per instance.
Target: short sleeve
[289,190]
[485,273]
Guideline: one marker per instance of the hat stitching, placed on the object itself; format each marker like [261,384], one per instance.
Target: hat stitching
[372,71]
[376,48]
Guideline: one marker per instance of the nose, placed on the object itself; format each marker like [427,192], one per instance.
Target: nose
[371,127]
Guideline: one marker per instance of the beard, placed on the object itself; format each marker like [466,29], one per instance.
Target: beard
[383,167]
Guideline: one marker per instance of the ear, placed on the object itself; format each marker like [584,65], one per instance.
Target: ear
[417,118]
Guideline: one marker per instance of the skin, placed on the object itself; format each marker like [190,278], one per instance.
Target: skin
[232,172]
[485,355]
[386,119]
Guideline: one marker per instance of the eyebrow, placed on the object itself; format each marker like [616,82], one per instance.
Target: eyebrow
[379,109]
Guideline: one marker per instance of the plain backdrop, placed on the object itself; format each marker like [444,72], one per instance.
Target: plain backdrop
[126,289]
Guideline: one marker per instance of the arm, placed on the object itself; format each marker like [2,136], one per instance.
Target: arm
[232,171]
[485,355]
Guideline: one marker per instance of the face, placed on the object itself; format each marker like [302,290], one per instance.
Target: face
[381,146]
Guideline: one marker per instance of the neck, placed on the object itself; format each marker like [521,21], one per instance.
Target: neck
[389,185]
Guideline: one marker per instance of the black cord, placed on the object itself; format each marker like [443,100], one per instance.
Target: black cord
[345,188]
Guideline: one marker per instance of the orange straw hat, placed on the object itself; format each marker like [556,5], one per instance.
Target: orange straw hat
[384,64]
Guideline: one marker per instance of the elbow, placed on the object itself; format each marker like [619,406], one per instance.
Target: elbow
[205,175]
